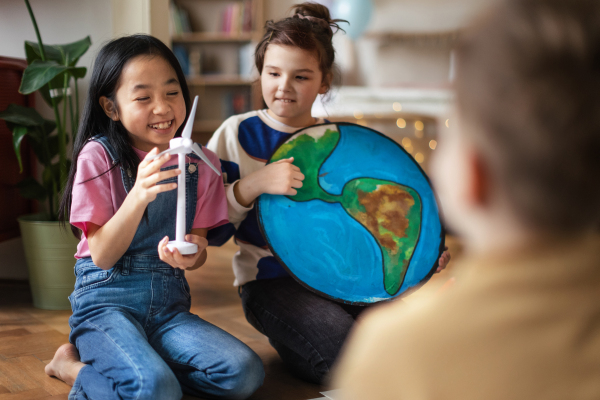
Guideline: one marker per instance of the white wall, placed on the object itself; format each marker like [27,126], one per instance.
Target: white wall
[141,16]
[59,21]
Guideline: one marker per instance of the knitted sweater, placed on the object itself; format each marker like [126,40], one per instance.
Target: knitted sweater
[245,143]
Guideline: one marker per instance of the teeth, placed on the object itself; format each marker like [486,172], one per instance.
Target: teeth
[285,100]
[162,125]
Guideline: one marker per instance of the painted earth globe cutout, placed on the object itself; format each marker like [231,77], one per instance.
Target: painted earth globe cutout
[365,225]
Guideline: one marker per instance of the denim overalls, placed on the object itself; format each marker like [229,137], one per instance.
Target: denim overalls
[133,327]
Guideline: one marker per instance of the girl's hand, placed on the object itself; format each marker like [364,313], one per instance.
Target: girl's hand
[281,177]
[149,174]
[444,260]
[176,260]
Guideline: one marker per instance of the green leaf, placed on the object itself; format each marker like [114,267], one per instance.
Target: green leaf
[57,82]
[20,115]
[40,152]
[31,189]
[33,131]
[64,54]
[73,51]
[42,143]
[53,145]
[32,53]
[78,72]
[48,127]
[38,74]
[19,133]
[36,142]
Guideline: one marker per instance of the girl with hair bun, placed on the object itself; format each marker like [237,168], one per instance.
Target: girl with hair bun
[295,59]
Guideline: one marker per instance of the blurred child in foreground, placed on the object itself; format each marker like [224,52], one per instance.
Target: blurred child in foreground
[519,179]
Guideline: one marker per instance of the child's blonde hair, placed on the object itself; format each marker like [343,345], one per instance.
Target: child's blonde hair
[528,83]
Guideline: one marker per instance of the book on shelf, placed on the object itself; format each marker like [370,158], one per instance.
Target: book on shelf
[246,61]
[237,18]
[182,56]
[179,20]
[195,62]
[189,59]
[235,102]
[247,16]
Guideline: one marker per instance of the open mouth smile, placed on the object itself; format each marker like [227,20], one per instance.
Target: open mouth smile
[161,125]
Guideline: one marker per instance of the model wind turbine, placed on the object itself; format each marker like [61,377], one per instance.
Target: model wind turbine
[181,146]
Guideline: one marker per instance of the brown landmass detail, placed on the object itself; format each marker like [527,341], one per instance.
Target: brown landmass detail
[386,207]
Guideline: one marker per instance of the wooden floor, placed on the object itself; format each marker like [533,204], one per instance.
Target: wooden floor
[29,336]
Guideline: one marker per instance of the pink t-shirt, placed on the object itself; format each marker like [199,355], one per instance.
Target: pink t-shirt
[97,200]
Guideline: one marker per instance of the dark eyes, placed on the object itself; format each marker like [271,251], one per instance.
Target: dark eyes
[173,93]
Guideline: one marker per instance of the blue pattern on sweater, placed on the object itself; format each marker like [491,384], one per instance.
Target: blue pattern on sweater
[258,140]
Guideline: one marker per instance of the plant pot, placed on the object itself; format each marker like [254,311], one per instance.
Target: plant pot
[49,251]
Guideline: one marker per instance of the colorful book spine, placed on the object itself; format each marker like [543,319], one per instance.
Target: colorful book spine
[247,16]
[179,20]
[237,18]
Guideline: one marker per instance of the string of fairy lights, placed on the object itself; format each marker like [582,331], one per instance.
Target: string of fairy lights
[413,145]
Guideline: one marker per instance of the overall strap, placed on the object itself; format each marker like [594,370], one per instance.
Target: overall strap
[103,140]
[126,175]
[161,212]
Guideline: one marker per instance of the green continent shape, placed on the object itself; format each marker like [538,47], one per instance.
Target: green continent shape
[392,213]
[389,211]
[309,154]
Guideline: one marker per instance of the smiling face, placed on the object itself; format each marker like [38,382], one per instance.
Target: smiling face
[149,102]
[291,80]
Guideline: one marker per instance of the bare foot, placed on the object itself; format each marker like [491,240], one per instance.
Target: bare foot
[65,365]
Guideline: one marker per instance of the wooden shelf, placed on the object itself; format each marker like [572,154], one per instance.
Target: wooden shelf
[214,37]
[414,37]
[219,80]
[222,82]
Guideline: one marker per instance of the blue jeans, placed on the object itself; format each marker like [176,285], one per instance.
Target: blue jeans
[307,330]
[133,328]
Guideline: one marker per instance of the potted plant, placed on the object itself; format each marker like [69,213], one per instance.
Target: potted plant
[49,249]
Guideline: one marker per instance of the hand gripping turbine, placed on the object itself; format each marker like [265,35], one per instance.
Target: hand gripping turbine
[182,146]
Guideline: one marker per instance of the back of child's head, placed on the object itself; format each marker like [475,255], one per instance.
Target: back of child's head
[528,84]
[309,28]
[106,73]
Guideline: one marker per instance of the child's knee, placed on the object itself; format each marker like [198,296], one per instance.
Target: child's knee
[247,375]
[153,382]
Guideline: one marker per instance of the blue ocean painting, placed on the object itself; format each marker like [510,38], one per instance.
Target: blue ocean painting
[366,226]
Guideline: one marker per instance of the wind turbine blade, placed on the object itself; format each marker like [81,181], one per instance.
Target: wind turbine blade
[176,150]
[187,130]
[196,149]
